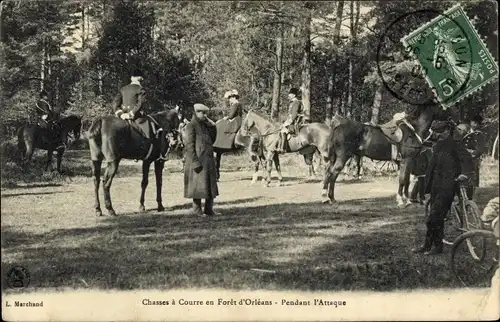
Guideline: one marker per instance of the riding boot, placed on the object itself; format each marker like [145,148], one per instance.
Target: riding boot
[427,243]
[197,207]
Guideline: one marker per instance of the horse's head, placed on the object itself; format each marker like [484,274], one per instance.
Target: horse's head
[247,124]
[169,122]
[72,125]
[422,116]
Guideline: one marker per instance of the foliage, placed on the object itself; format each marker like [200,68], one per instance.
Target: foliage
[195,51]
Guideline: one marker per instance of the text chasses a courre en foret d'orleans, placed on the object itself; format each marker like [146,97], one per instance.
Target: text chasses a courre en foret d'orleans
[323,302]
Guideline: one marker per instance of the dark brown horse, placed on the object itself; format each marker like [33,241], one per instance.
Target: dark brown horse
[34,136]
[311,137]
[354,139]
[112,139]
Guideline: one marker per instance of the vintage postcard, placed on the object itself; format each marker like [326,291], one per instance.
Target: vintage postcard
[249,160]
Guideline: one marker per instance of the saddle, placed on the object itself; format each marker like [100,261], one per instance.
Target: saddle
[147,127]
[392,130]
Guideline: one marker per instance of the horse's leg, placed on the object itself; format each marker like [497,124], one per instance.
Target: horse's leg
[263,162]
[49,160]
[276,159]
[334,170]
[255,175]
[96,171]
[28,154]
[326,175]
[59,159]
[218,156]
[159,165]
[269,166]
[404,179]
[308,159]
[358,165]
[421,189]
[144,183]
[110,173]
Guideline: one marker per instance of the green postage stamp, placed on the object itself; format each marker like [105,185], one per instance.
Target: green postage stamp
[452,56]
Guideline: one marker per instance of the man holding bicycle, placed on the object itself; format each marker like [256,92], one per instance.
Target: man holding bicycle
[450,162]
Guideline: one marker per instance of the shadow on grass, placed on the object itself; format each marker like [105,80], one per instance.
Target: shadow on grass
[36,185]
[361,245]
[7,195]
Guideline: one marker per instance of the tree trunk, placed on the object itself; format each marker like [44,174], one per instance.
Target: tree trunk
[306,66]
[99,82]
[329,96]
[275,105]
[331,106]
[42,67]
[376,105]
[495,145]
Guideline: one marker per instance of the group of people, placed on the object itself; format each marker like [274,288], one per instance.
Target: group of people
[456,157]
[200,181]
[451,158]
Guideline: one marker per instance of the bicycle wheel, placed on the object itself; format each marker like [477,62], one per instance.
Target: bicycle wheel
[452,225]
[473,221]
[471,272]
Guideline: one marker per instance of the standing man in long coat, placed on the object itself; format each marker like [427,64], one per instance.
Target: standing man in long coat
[449,161]
[200,174]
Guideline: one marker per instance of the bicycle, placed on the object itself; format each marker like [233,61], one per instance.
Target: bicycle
[479,272]
[456,223]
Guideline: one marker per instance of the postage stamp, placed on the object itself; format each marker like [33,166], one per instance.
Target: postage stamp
[452,56]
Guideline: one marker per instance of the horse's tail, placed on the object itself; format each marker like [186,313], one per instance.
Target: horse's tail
[94,130]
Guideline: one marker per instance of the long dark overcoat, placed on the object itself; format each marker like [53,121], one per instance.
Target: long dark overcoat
[449,160]
[199,137]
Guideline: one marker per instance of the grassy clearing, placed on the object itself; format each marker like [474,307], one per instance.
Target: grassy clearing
[279,238]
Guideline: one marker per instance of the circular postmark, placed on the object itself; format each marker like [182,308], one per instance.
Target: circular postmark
[18,277]
[424,57]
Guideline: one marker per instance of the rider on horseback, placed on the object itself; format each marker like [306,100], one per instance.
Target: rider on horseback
[128,104]
[236,110]
[295,119]
[49,118]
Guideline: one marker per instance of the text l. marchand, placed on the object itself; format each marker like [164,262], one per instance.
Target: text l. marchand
[24,304]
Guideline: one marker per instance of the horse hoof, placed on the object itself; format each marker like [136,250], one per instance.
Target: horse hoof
[142,208]
[98,213]
[112,213]
[278,184]
[328,201]
[253,182]
[161,208]
[324,193]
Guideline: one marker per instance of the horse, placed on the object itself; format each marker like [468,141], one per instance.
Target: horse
[112,139]
[355,139]
[34,136]
[311,137]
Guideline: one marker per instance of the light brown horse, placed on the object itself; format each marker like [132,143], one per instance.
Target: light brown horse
[311,137]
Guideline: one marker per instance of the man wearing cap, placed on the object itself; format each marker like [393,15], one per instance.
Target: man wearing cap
[200,176]
[296,116]
[474,141]
[449,161]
